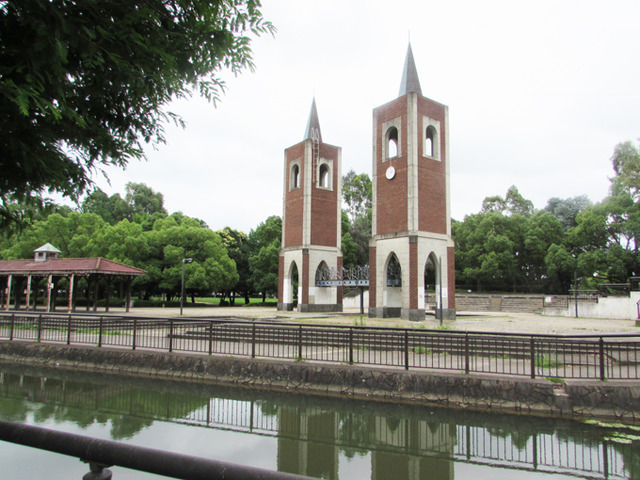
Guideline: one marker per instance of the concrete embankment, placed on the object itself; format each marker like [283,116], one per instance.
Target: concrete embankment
[619,400]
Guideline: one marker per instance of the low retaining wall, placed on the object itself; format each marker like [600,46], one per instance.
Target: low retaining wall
[610,400]
[477,302]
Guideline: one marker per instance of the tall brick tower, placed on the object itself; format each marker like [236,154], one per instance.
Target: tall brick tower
[411,240]
[311,222]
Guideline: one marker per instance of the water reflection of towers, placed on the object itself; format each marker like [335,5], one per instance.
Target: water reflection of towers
[310,441]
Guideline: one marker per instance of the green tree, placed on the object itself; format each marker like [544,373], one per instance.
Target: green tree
[112,209]
[179,237]
[264,247]
[75,234]
[357,196]
[143,200]
[513,203]
[85,83]
[561,266]
[566,210]
[626,165]
[235,242]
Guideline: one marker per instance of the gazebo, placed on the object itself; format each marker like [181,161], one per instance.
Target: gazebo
[48,264]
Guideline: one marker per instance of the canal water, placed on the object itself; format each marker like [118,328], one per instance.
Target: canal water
[318,437]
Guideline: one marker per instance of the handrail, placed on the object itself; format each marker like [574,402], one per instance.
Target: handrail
[103,453]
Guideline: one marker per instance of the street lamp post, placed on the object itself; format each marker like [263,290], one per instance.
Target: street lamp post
[184,260]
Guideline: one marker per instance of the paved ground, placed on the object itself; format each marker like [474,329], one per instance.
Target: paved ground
[470,321]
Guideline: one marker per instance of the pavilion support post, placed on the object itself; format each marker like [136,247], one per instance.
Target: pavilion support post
[108,295]
[96,287]
[35,295]
[18,293]
[28,293]
[49,288]
[128,294]
[72,280]
[8,291]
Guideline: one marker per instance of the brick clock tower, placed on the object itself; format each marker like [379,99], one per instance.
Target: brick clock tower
[411,246]
[311,222]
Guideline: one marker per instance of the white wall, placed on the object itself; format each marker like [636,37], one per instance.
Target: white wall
[620,308]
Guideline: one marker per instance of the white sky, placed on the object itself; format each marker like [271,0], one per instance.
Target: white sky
[539,93]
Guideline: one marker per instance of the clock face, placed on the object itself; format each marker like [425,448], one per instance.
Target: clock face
[391,172]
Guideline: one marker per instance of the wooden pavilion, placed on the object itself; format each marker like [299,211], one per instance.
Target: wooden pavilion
[47,264]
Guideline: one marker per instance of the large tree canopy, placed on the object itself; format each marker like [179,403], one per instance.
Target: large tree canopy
[83,83]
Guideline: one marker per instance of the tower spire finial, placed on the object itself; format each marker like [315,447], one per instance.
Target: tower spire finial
[410,82]
[313,125]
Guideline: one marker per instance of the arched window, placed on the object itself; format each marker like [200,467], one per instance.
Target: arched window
[392,142]
[394,272]
[323,176]
[431,142]
[295,176]
[323,274]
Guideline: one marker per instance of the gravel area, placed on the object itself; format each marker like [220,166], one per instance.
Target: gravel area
[467,321]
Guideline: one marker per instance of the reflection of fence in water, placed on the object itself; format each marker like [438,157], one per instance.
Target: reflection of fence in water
[545,452]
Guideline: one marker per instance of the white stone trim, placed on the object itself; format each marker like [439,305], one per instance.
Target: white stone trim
[427,122]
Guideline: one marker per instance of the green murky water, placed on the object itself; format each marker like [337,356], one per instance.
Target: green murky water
[323,438]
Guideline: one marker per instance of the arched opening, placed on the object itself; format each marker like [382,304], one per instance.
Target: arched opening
[392,287]
[295,176]
[394,272]
[392,142]
[430,142]
[323,273]
[323,176]
[431,283]
[290,287]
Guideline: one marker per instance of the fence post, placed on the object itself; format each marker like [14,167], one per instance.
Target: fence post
[532,356]
[69,330]
[210,337]
[39,327]
[13,321]
[601,356]
[170,336]
[351,345]
[300,342]
[466,353]
[406,350]
[253,341]
[135,331]
[100,327]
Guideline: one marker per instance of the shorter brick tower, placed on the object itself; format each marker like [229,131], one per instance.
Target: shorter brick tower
[311,222]
[411,254]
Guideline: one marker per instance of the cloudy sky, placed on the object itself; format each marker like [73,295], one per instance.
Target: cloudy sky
[539,93]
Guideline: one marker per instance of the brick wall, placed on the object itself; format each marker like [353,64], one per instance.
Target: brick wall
[432,185]
[391,207]
[294,201]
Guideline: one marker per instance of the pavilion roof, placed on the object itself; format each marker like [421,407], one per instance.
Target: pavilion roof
[68,266]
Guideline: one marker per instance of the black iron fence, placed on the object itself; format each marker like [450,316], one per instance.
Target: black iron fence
[567,356]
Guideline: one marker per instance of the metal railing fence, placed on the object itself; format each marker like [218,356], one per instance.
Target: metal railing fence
[615,356]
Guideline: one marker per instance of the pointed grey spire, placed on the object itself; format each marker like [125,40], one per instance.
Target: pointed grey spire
[410,82]
[313,125]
